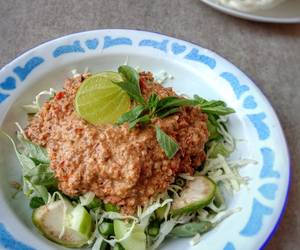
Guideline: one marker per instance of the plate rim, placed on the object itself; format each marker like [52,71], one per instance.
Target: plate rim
[219,56]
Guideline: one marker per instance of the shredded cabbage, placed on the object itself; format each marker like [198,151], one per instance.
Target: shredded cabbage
[87,198]
[162,77]
[165,228]
[37,102]
[195,240]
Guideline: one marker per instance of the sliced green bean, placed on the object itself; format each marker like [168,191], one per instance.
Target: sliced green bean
[153,228]
[191,229]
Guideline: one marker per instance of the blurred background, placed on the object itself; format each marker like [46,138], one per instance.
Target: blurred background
[268,53]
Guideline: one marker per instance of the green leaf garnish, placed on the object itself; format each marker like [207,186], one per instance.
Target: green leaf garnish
[143,120]
[212,107]
[167,143]
[130,83]
[131,115]
[171,102]
[37,176]
[33,151]
[155,107]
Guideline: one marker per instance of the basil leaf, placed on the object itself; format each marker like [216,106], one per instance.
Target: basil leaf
[167,143]
[33,151]
[131,115]
[130,83]
[36,202]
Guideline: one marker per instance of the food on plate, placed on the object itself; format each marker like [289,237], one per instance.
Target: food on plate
[118,161]
[250,5]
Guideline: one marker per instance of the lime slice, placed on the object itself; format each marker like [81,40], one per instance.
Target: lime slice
[99,100]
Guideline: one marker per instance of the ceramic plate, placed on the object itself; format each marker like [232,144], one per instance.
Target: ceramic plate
[286,12]
[196,71]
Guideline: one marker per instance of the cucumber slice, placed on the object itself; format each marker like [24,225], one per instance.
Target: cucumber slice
[80,221]
[137,239]
[197,194]
[50,219]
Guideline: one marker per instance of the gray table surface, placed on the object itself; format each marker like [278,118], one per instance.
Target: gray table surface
[269,54]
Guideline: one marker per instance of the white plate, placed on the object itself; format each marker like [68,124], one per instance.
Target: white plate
[196,71]
[286,12]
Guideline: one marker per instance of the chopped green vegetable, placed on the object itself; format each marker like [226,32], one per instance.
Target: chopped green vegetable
[36,202]
[160,212]
[216,148]
[104,246]
[118,247]
[106,228]
[167,143]
[96,203]
[197,194]
[137,238]
[52,221]
[80,221]
[153,228]
[219,200]
[191,229]
[109,207]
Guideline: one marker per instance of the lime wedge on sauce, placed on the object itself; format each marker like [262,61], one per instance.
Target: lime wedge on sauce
[98,100]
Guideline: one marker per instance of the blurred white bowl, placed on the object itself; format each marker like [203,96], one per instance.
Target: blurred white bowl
[286,12]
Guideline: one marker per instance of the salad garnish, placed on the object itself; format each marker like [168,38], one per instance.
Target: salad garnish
[194,203]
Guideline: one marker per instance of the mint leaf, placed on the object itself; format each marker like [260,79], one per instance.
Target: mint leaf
[218,110]
[166,112]
[41,175]
[130,83]
[36,176]
[33,151]
[212,107]
[172,102]
[153,101]
[131,115]
[167,143]
[142,120]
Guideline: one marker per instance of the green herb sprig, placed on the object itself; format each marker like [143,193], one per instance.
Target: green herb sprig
[146,110]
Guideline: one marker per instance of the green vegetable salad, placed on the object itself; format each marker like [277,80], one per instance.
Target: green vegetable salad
[192,205]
